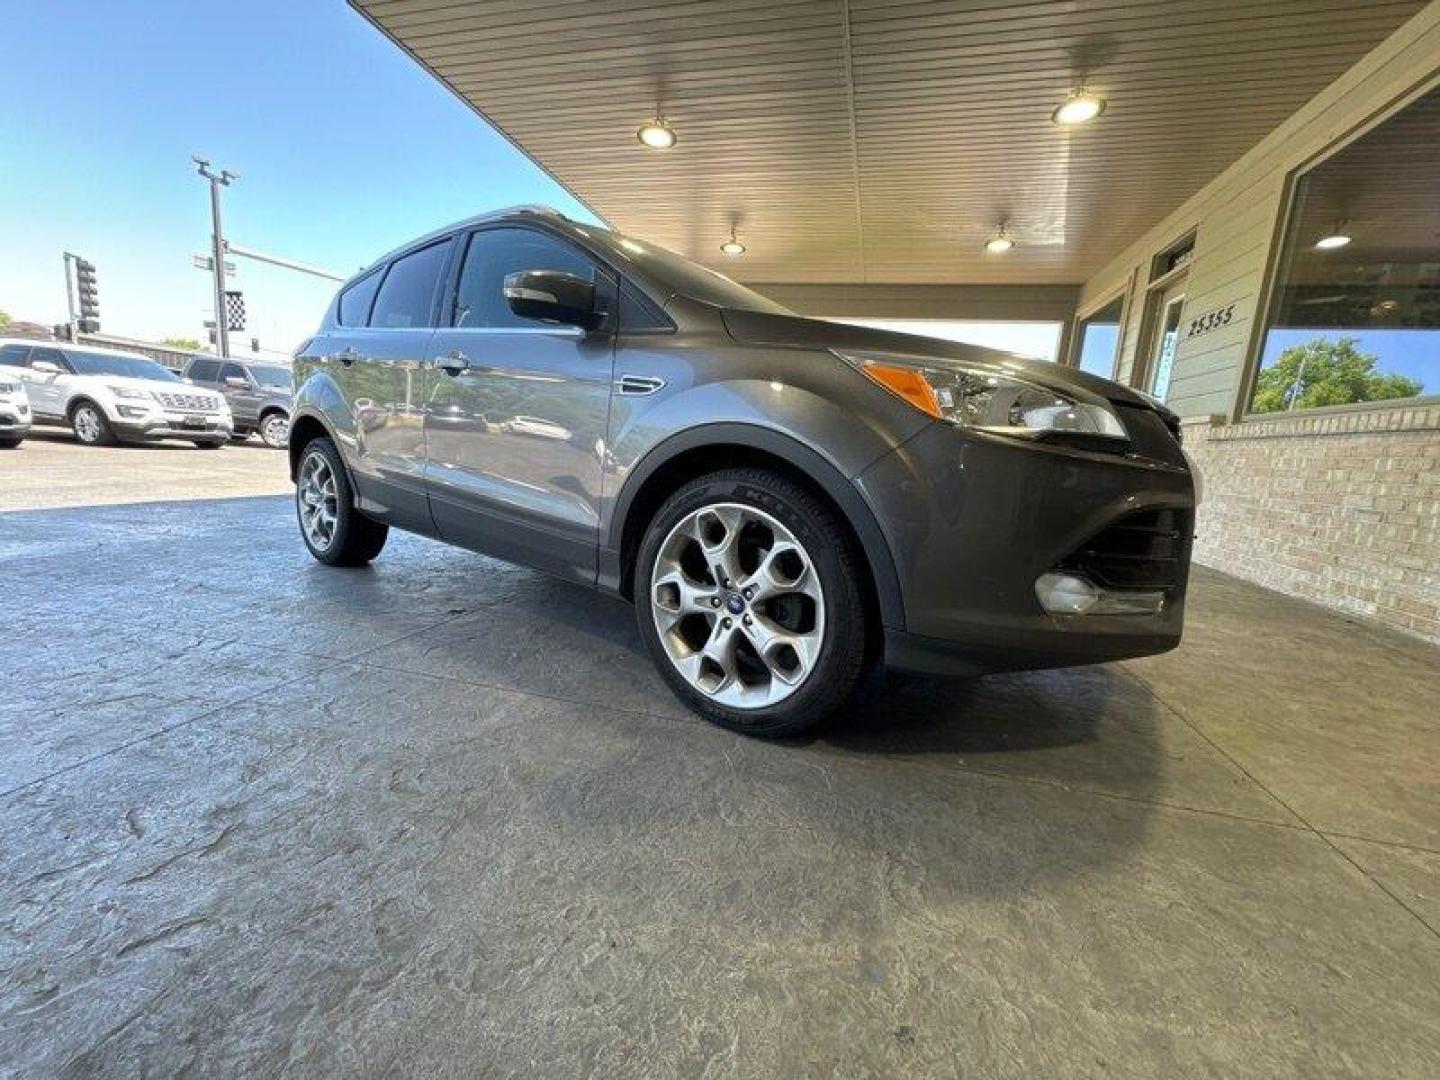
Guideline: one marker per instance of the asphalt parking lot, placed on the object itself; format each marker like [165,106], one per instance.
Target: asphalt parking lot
[439,817]
[51,469]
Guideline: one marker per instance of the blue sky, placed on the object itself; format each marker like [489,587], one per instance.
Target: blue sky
[345,148]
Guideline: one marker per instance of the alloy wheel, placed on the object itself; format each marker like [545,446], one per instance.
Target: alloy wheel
[87,424]
[319,501]
[738,605]
[275,430]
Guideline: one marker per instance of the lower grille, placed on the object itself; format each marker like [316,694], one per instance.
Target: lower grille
[1145,550]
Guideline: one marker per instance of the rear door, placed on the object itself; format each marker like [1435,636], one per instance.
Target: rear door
[516,418]
[380,367]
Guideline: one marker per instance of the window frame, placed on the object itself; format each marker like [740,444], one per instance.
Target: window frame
[461,251]
[1240,411]
[1125,293]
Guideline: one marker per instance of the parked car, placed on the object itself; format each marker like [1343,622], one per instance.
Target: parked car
[259,394]
[786,500]
[106,396]
[14,411]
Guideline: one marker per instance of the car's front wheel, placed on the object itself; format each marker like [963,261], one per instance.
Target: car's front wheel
[88,422]
[275,430]
[335,532]
[749,597]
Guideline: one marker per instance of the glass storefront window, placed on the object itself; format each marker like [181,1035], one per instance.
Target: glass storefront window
[1356,314]
[1100,339]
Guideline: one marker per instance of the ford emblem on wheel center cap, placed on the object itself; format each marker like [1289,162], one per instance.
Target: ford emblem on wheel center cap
[735,603]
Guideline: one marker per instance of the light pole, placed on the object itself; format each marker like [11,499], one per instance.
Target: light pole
[217,249]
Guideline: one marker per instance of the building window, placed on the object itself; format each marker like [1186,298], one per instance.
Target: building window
[1356,310]
[1098,340]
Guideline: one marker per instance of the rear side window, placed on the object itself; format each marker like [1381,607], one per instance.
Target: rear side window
[407,296]
[232,371]
[14,355]
[355,301]
[204,370]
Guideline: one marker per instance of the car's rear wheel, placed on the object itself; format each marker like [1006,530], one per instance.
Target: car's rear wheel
[88,422]
[8,443]
[275,430]
[749,598]
[335,532]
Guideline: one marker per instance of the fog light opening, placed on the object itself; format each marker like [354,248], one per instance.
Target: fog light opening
[1069,594]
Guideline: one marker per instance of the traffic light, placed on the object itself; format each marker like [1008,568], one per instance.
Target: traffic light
[254,344]
[87,287]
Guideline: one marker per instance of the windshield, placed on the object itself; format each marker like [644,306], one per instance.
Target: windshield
[127,367]
[690,279]
[271,375]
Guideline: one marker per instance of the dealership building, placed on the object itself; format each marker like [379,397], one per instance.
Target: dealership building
[1247,225]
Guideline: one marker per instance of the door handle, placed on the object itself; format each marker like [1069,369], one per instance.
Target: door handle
[454,363]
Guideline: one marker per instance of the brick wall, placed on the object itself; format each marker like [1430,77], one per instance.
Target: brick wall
[1340,508]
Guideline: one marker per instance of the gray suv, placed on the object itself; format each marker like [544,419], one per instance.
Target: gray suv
[787,501]
[260,394]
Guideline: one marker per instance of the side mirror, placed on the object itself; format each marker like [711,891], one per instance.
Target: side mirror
[45,367]
[553,296]
[237,382]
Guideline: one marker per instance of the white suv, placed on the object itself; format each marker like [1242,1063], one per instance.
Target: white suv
[14,411]
[104,395]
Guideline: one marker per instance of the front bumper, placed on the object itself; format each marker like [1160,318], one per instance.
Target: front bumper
[168,424]
[13,422]
[973,520]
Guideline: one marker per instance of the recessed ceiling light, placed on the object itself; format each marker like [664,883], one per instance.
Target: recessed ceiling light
[1333,241]
[1080,107]
[657,134]
[999,243]
[732,246]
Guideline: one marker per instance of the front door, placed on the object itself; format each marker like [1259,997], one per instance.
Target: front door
[241,392]
[516,416]
[1165,340]
[47,390]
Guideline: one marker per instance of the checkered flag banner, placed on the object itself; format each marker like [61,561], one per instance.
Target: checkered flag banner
[234,311]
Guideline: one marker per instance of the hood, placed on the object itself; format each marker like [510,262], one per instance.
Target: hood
[760,328]
[153,385]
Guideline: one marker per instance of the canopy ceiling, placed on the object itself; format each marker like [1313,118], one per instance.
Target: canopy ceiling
[884,140]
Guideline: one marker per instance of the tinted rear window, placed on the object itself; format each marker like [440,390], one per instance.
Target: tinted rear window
[355,301]
[407,296]
[203,370]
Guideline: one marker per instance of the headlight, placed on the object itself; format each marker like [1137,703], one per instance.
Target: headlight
[7,388]
[987,399]
[128,392]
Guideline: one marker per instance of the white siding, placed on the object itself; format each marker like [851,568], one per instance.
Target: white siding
[1236,218]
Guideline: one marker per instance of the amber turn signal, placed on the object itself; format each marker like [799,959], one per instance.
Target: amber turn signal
[906,383]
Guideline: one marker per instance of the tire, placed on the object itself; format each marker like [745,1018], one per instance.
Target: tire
[275,430]
[786,542]
[8,443]
[88,422]
[351,539]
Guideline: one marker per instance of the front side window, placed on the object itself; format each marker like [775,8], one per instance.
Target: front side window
[125,367]
[271,375]
[51,356]
[1099,340]
[354,309]
[204,371]
[407,295]
[1356,311]
[495,253]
